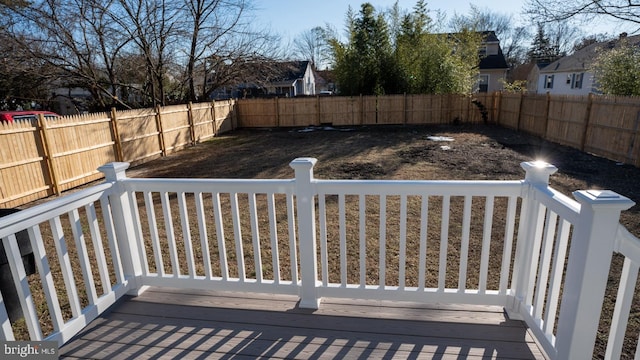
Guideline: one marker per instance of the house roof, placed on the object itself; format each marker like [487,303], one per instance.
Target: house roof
[496,61]
[285,73]
[582,59]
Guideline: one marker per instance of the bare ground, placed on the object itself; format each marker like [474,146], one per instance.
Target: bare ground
[477,153]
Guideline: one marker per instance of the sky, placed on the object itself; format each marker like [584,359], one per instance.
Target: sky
[289,18]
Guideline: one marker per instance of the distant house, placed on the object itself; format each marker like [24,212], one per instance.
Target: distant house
[292,78]
[572,75]
[529,73]
[493,65]
[282,79]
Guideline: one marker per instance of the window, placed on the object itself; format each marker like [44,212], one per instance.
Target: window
[548,81]
[576,81]
[483,83]
[482,51]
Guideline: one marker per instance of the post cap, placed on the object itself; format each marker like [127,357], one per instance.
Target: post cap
[303,162]
[603,197]
[538,172]
[114,171]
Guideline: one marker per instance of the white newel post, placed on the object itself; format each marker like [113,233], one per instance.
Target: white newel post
[530,229]
[587,271]
[123,223]
[305,193]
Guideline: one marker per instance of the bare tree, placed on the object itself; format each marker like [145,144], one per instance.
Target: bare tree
[511,37]
[586,10]
[75,39]
[313,45]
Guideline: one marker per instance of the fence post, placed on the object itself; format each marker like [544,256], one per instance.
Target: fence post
[529,237]
[48,154]
[587,271]
[587,118]
[192,126]
[116,136]
[546,116]
[213,116]
[305,193]
[163,148]
[123,219]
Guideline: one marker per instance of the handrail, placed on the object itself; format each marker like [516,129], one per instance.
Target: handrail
[344,238]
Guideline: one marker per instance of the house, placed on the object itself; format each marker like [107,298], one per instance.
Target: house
[282,79]
[572,75]
[493,65]
[292,78]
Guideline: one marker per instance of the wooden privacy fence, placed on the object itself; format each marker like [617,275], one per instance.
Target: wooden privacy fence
[364,110]
[607,126]
[44,157]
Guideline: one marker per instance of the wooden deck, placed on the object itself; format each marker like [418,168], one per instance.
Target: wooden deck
[169,323]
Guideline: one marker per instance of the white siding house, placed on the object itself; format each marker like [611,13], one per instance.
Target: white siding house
[572,75]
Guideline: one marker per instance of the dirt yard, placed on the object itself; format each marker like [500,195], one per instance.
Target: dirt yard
[477,152]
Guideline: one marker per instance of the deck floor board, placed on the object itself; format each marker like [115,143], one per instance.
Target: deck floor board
[170,323]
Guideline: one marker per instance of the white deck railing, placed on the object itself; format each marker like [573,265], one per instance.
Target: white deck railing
[517,244]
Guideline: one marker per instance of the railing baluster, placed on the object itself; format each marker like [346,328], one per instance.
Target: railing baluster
[255,236]
[16,265]
[237,235]
[486,244]
[343,240]
[402,258]
[383,242]
[137,227]
[222,247]
[46,278]
[98,248]
[7,331]
[424,227]
[171,237]
[537,242]
[65,266]
[363,240]
[464,246]
[557,270]
[153,232]
[545,263]
[620,319]
[293,255]
[186,234]
[81,248]
[111,236]
[273,235]
[444,241]
[202,232]
[508,244]
[324,258]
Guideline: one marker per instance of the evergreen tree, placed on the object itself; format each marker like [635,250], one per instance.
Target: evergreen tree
[542,51]
[415,61]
